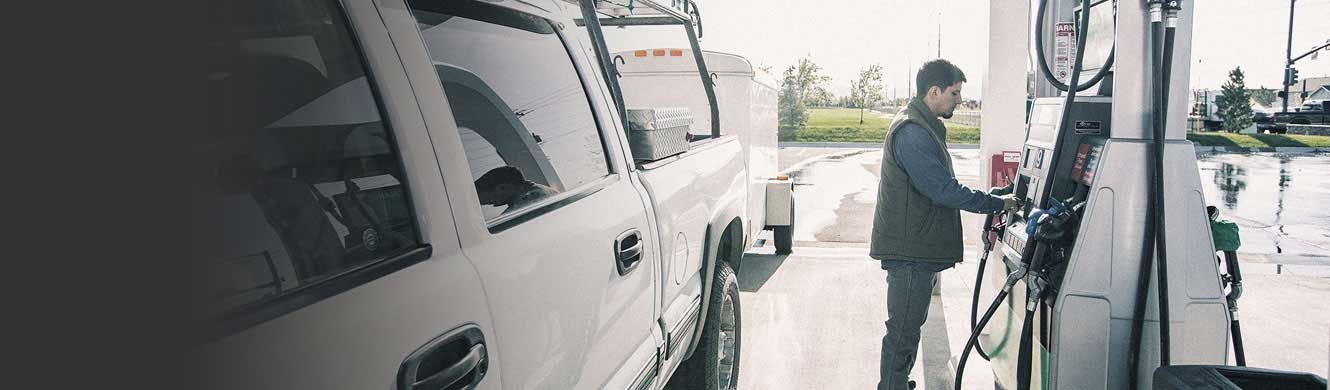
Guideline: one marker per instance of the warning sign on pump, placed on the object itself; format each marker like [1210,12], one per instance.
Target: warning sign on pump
[1064,50]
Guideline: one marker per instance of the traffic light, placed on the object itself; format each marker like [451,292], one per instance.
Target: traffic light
[1290,76]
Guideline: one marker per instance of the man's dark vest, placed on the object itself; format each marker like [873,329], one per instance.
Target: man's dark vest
[907,225]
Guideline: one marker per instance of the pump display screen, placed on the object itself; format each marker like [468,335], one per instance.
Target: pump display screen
[1044,124]
[1099,42]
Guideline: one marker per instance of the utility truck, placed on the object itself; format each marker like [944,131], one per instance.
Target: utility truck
[464,194]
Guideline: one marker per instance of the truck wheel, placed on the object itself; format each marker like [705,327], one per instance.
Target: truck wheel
[715,363]
[785,234]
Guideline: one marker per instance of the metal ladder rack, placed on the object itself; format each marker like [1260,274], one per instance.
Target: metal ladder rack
[627,13]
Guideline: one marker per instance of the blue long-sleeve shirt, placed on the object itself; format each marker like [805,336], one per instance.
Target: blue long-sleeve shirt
[917,153]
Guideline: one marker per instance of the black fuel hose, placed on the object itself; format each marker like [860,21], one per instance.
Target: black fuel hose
[1043,60]
[974,302]
[1237,341]
[979,279]
[973,341]
[1025,362]
[1235,292]
[977,326]
[1161,242]
[1155,229]
[1034,249]
[1025,350]
[1031,245]
[1148,242]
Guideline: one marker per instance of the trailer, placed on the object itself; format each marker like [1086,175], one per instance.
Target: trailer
[746,99]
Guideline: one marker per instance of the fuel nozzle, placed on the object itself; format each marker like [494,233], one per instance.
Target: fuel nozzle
[1054,223]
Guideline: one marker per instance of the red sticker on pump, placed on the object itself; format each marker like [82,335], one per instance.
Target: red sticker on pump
[1080,160]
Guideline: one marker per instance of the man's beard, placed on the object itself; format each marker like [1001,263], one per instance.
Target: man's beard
[947,115]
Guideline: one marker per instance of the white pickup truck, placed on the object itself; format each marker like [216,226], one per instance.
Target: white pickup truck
[453,194]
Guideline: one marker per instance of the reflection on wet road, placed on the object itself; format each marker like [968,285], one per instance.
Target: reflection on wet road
[1280,202]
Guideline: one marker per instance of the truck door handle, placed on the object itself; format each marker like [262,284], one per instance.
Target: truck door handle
[457,358]
[628,251]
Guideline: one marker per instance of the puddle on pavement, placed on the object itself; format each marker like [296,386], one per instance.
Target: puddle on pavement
[1278,200]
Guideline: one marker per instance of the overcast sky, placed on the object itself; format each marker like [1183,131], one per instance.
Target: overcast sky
[844,35]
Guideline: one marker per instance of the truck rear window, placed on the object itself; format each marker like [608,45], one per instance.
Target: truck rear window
[518,100]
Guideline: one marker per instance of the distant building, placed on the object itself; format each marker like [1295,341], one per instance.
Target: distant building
[1315,87]
[1322,93]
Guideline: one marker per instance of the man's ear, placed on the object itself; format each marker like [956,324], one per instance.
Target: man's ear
[934,91]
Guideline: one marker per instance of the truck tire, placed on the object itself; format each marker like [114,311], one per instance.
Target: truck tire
[715,363]
[785,234]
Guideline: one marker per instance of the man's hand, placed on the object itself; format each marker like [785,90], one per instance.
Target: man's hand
[1010,202]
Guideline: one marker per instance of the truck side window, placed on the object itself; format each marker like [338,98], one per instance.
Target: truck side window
[302,183]
[519,102]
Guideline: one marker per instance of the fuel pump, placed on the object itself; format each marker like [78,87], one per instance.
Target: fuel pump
[1080,257]
[1113,202]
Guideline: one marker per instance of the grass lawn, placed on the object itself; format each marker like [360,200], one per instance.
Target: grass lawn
[842,125]
[1258,140]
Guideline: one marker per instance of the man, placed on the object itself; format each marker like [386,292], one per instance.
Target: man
[917,225]
[505,186]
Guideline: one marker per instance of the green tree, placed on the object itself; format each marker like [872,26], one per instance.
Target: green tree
[791,111]
[798,84]
[1234,102]
[867,91]
[820,97]
[807,77]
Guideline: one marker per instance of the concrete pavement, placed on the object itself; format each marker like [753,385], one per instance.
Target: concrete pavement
[814,319]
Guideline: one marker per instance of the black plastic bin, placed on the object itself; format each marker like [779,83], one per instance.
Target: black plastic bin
[1231,377]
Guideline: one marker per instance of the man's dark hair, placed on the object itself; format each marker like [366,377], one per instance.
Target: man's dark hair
[937,73]
[500,175]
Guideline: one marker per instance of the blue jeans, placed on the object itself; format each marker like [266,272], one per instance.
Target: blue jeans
[909,292]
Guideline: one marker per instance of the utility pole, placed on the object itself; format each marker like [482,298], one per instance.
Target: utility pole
[1288,55]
